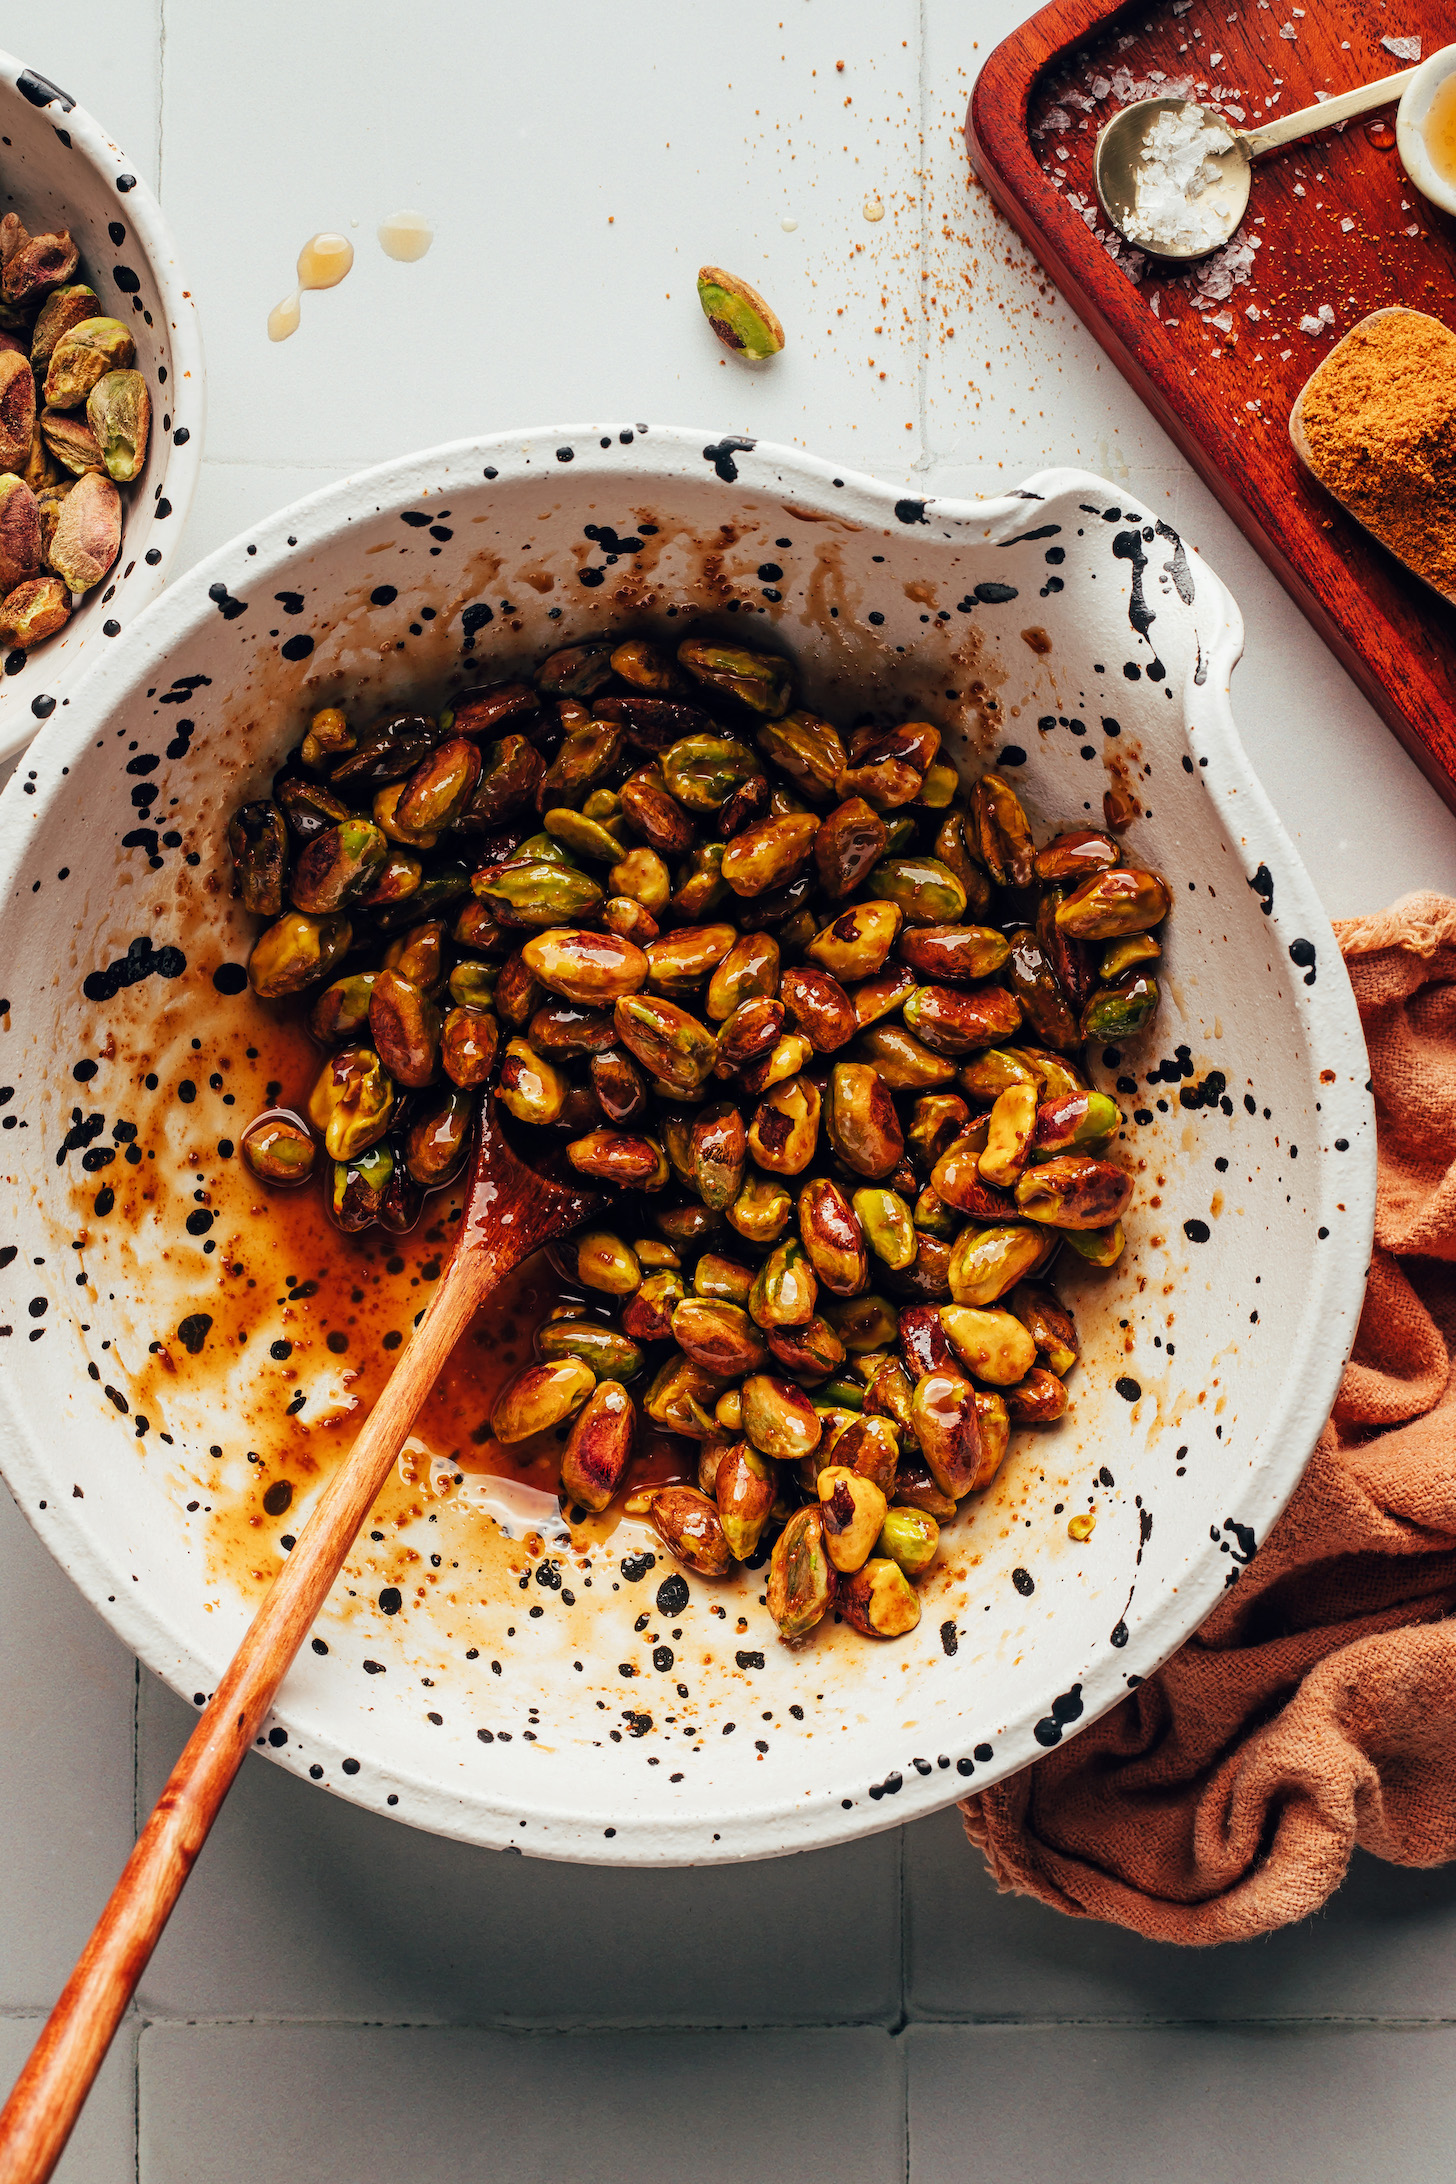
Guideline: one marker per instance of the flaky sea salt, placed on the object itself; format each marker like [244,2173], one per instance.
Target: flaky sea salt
[1178,162]
[1404,49]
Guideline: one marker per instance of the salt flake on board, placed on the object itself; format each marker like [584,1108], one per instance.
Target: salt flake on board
[1404,49]
[1287,30]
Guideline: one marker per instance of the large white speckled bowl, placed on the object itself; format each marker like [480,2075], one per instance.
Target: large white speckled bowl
[60,169]
[1058,628]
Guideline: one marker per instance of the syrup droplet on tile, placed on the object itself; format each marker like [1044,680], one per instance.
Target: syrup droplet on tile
[324,260]
[284,317]
[406,236]
[874,208]
[1381,135]
[788,226]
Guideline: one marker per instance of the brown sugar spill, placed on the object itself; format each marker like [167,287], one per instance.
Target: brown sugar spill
[814,1012]
[1376,423]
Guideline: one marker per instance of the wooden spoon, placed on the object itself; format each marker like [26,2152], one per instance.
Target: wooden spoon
[510,1211]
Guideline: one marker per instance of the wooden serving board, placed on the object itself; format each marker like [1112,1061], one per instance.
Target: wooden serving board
[1335,230]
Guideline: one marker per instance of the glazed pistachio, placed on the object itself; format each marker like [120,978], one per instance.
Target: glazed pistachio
[648,1318]
[1049,1016]
[329,738]
[719,1336]
[856,944]
[1111,904]
[761,682]
[785,1129]
[718,1154]
[955,952]
[618,1157]
[854,1512]
[810,1352]
[279,1149]
[536,893]
[864,1323]
[356,1193]
[119,412]
[765,856]
[703,771]
[888,1229]
[1038,1400]
[778,1418]
[870,1447]
[601,1260]
[469,1042]
[903,1061]
[531,1089]
[738,315]
[986,1262]
[925,891]
[832,1237]
[991,1344]
[753,1033]
[801,1578]
[1050,1325]
[678,964]
[1122,1011]
[404,1025]
[808,750]
[1011,1131]
[848,845]
[351,1102]
[952,1020]
[1074,1191]
[879,1599]
[1074,1121]
[748,971]
[654,815]
[1003,833]
[947,1428]
[591,968]
[863,1126]
[599,1446]
[669,1042]
[761,1210]
[296,952]
[258,843]
[683,1396]
[744,1488]
[785,1288]
[539,1397]
[910,1538]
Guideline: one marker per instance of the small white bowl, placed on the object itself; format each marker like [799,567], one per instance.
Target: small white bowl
[59,169]
[1410,121]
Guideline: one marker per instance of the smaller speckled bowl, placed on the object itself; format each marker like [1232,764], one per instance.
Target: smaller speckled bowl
[626,1714]
[59,169]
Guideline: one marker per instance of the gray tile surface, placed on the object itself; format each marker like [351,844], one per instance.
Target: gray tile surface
[1102,2106]
[334,1912]
[257,2105]
[67,1697]
[1385,1946]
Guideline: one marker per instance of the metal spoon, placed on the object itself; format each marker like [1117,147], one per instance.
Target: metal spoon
[1121,155]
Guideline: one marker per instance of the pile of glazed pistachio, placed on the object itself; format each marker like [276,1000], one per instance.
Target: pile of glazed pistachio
[74,421]
[813,1010]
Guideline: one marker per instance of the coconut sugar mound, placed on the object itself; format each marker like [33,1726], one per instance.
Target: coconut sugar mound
[1378,421]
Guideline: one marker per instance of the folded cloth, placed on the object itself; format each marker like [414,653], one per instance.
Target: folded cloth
[1316,1708]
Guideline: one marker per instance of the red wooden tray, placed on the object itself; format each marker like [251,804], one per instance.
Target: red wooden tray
[1340,229]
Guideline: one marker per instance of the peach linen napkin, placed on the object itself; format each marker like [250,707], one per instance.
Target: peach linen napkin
[1316,1708]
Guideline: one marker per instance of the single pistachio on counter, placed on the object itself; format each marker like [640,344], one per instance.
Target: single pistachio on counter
[738,315]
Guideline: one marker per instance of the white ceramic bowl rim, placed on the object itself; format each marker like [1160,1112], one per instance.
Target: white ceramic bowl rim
[1328,1311]
[1410,117]
[52,672]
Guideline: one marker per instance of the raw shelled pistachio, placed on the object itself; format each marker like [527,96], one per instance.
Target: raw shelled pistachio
[75,422]
[814,1013]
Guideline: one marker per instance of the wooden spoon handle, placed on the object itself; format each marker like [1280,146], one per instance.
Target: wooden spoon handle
[37,2120]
